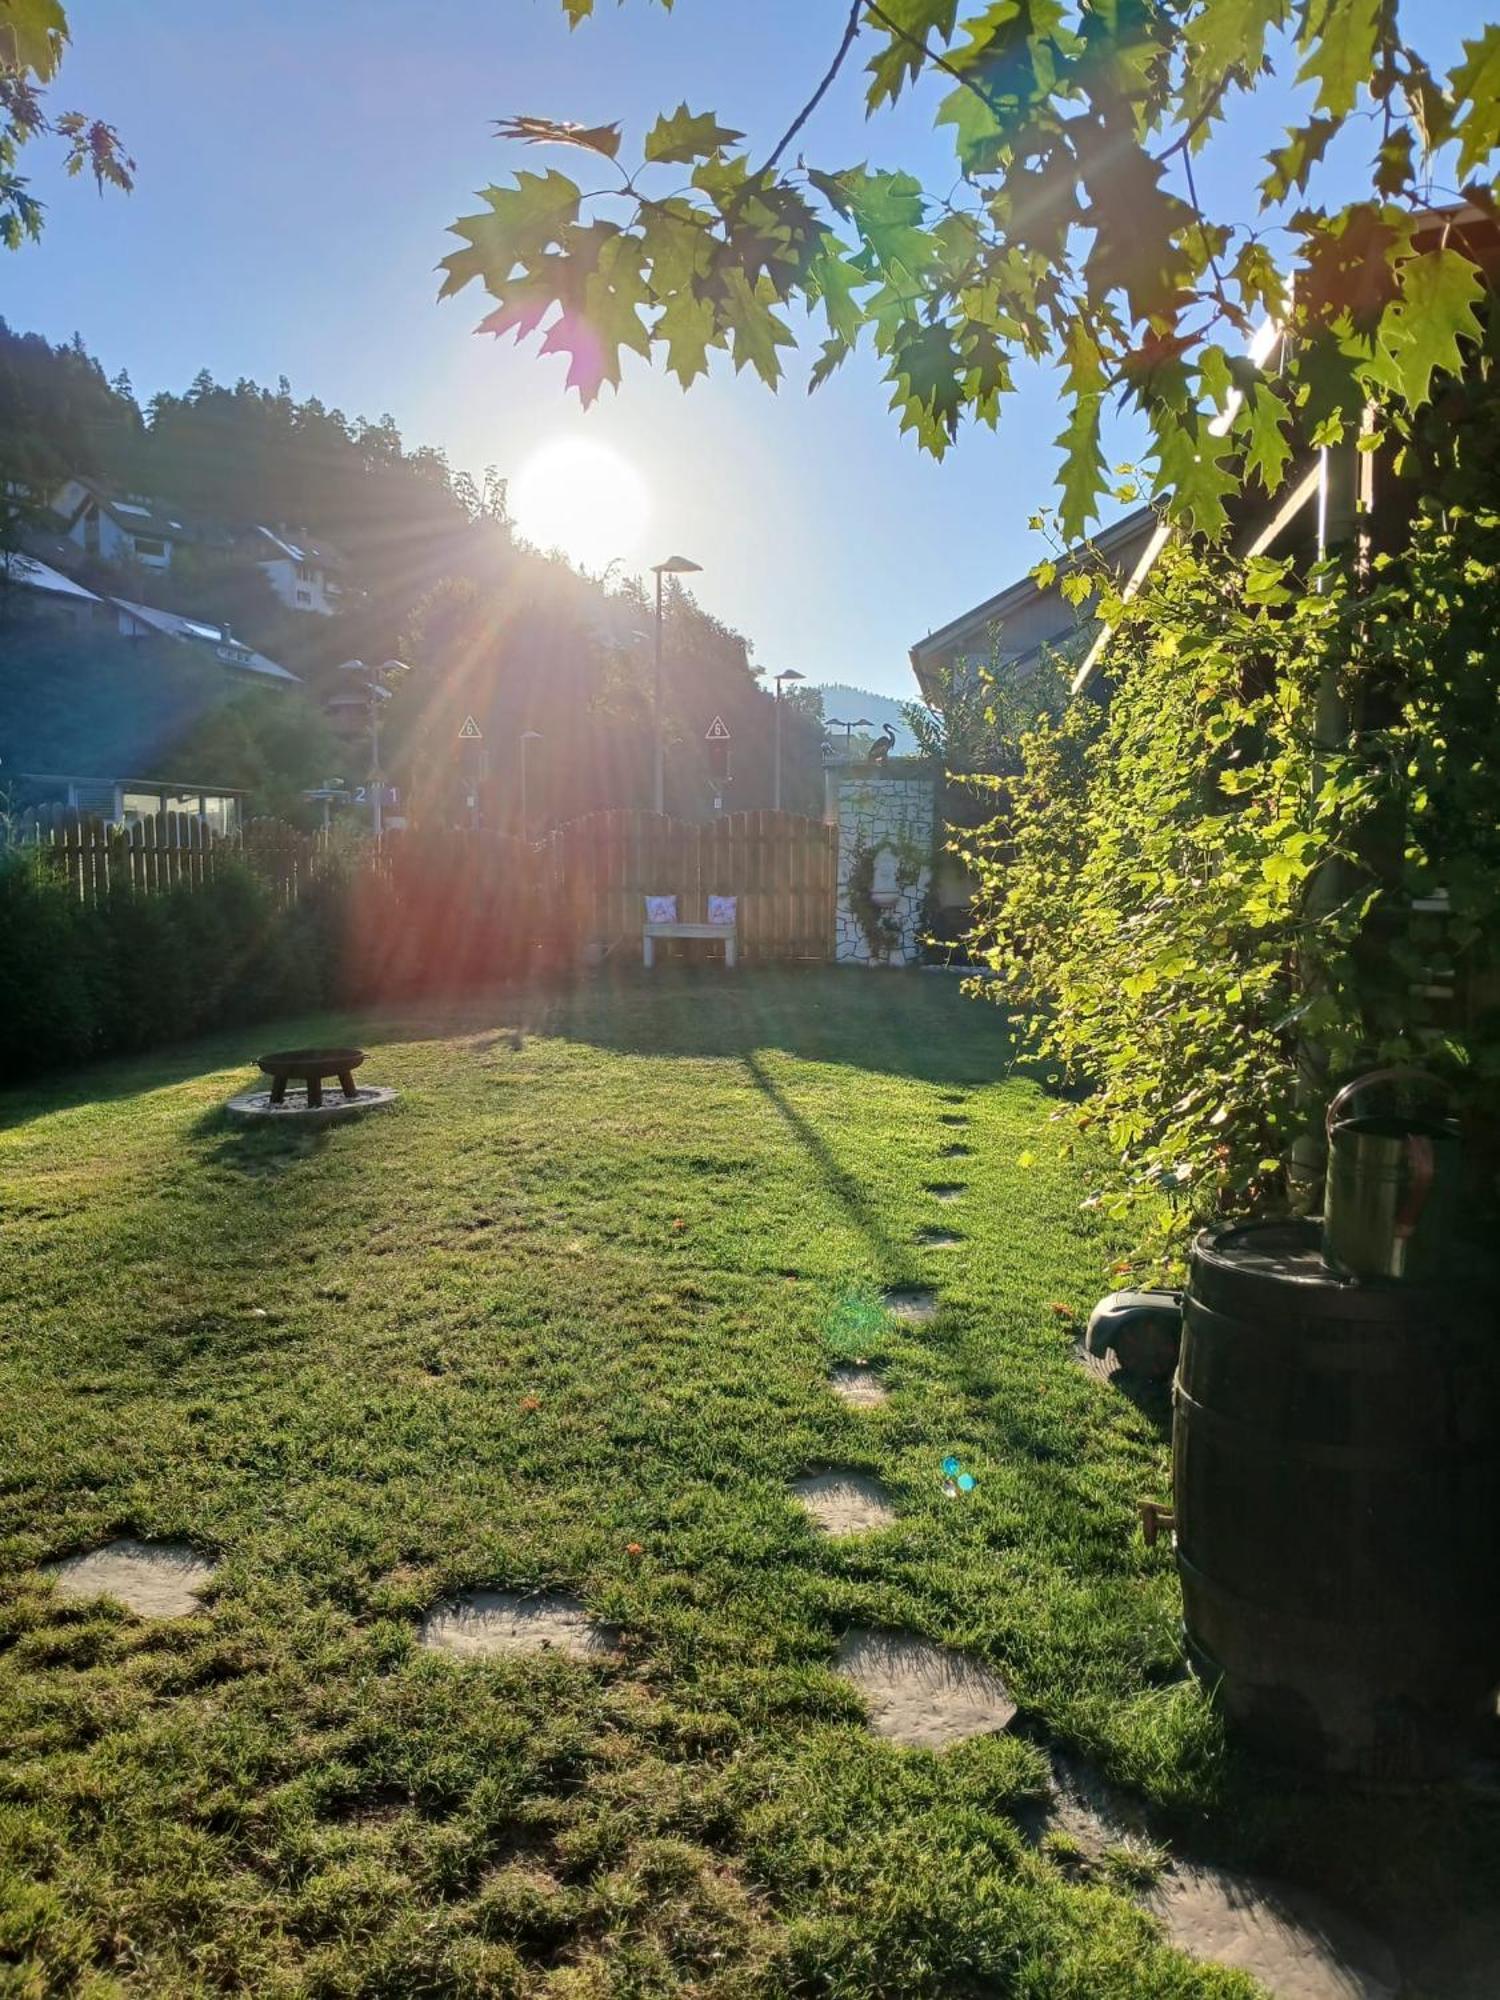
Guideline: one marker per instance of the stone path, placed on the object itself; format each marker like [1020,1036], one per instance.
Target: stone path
[953,1118]
[913,1303]
[153,1579]
[939,1239]
[482,1623]
[946,1190]
[957,1151]
[844,1503]
[922,1695]
[860,1388]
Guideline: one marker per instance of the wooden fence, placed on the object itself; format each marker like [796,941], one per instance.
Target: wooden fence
[584,882]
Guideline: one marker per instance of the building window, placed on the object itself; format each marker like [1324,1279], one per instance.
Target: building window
[137,806]
[304,597]
[150,547]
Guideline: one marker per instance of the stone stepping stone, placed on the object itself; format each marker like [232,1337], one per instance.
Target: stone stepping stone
[915,1304]
[946,1190]
[955,1152]
[483,1623]
[844,1503]
[922,1695]
[860,1388]
[954,1118]
[939,1239]
[1287,1939]
[1293,1943]
[152,1579]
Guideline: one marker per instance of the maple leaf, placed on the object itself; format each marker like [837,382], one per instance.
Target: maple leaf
[1267,453]
[1081,475]
[689,327]
[754,330]
[1192,474]
[1421,334]
[1475,82]
[1339,38]
[32,37]
[686,135]
[603,139]
[1292,163]
[925,368]
[908,24]
[519,224]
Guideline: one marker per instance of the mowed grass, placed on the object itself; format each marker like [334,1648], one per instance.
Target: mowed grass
[564,1318]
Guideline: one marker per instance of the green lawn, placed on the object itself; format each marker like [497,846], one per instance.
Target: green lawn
[566,1302]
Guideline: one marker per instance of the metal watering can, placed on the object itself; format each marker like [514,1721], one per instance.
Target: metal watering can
[1392,1189]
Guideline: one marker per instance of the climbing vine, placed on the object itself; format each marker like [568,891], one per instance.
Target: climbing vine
[1185,892]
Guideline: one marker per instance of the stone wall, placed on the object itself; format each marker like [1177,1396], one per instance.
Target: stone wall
[890,815]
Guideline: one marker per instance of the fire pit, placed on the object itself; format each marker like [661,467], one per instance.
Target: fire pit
[310,1066]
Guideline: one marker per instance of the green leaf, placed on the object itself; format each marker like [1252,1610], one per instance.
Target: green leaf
[519,224]
[755,330]
[1475,82]
[687,135]
[1292,163]
[1082,475]
[1339,39]
[689,327]
[1269,450]
[1420,335]
[32,37]
[907,24]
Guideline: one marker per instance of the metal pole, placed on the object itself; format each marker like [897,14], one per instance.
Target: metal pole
[776,764]
[376,822]
[525,816]
[656,704]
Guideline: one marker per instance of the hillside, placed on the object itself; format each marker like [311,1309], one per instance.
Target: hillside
[839,698]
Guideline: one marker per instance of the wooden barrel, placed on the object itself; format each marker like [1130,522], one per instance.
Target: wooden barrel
[1336,1466]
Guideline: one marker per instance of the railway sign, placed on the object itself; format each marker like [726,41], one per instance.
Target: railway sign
[471,731]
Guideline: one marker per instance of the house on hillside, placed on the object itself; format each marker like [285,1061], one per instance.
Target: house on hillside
[304,574]
[35,588]
[137,621]
[118,529]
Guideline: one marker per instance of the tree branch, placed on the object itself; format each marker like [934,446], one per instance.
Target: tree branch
[851,29]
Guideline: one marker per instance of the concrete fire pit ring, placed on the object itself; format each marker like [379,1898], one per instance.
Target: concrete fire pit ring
[296,1113]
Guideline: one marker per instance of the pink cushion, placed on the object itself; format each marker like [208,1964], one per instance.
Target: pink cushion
[721,909]
[661,909]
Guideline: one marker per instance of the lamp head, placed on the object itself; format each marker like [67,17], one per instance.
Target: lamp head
[791,674]
[676,566]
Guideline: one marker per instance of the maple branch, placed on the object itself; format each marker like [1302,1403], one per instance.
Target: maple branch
[851,29]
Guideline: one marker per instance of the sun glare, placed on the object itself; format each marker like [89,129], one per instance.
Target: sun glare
[581,498]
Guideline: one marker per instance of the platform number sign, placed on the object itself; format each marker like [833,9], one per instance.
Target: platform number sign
[471,731]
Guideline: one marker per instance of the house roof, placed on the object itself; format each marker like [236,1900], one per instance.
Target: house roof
[1118,545]
[299,549]
[31,574]
[233,652]
[133,512]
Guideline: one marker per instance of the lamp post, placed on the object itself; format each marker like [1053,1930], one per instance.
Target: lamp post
[791,674]
[373,691]
[527,736]
[862,722]
[673,566]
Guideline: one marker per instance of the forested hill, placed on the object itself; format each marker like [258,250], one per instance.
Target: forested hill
[434,576]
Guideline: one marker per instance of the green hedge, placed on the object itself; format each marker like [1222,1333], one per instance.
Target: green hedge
[78,980]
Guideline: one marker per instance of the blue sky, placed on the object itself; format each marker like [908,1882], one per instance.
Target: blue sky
[299,161]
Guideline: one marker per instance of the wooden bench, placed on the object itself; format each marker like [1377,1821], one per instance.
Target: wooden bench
[724,933]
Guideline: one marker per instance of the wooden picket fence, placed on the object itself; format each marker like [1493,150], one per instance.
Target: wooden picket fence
[585,883]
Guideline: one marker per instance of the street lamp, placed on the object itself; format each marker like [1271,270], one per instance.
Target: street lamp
[862,722]
[673,566]
[791,674]
[527,736]
[372,692]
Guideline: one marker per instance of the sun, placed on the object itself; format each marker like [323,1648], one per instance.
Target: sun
[581,498]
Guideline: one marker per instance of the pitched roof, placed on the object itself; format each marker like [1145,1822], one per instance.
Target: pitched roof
[31,574]
[134,512]
[299,549]
[233,652]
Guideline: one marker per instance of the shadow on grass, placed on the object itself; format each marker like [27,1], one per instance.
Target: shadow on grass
[843,1185]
